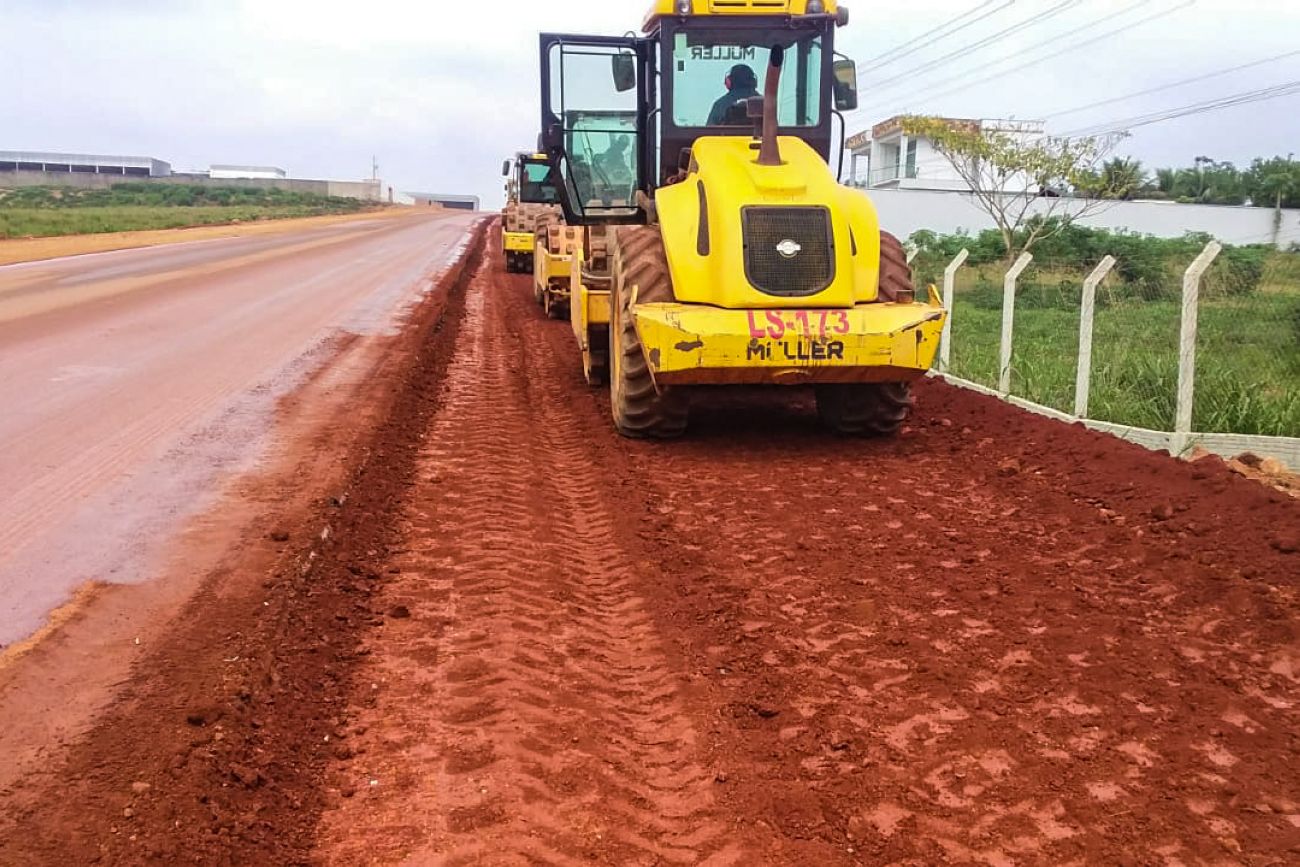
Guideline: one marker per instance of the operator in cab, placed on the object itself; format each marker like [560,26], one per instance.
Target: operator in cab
[538,189]
[741,84]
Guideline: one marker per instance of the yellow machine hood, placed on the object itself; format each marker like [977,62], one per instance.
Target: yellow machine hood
[703,220]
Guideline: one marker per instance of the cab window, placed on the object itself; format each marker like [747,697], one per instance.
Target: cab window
[714,75]
[536,184]
[600,128]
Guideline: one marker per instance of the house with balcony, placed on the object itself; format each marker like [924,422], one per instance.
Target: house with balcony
[885,157]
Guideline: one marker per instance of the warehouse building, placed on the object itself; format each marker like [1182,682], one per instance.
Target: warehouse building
[88,164]
[462,203]
[100,172]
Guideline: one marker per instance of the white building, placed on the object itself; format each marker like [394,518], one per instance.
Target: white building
[84,164]
[227,172]
[884,157]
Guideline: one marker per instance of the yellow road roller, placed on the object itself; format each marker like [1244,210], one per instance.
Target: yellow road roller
[530,200]
[715,245]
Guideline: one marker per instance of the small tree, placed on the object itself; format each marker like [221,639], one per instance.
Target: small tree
[1167,182]
[1275,182]
[1010,174]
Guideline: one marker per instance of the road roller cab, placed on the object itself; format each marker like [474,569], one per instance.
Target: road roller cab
[735,255]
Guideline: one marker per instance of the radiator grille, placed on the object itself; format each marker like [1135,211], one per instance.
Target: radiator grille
[788,251]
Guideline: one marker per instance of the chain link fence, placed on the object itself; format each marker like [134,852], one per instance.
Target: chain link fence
[1237,323]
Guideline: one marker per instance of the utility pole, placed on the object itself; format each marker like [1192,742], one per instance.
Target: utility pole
[374,168]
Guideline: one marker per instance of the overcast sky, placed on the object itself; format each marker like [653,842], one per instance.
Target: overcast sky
[440,91]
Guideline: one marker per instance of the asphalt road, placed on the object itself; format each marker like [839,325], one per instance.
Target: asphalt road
[130,382]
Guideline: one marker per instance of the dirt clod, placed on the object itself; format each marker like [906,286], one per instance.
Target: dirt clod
[1286,544]
[249,777]
[204,716]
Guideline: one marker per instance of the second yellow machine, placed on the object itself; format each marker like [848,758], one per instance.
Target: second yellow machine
[717,245]
[530,204]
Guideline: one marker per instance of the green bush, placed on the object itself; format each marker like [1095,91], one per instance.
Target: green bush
[1295,335]
[1149,268]
[153,194]
[132,205]
[1237,271]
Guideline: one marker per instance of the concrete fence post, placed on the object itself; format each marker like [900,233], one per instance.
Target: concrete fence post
[1087,308]
[949,299]
[1008,320]
[1187,345]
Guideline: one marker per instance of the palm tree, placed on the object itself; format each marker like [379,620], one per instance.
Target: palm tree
[1166,180]
[1122,178]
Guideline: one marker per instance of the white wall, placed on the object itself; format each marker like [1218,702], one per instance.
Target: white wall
[229,173]
[902,212]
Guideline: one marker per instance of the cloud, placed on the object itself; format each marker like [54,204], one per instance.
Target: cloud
[440,91]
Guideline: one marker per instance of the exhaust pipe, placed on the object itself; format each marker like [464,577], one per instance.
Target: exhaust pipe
[769,152]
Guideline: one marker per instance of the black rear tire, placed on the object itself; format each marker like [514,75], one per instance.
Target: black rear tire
[541,238]
[639,409]
[875,409]
[554,307]
[895,274]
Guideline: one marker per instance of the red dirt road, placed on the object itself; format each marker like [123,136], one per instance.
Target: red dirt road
[995,640]
[129,379]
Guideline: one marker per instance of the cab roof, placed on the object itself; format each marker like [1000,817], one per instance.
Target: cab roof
[665,8]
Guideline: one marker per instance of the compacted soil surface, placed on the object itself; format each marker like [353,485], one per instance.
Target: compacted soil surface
[513,637]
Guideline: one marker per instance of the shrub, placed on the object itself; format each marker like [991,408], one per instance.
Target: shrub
[1237,271]
[1295,333]
[1148,268]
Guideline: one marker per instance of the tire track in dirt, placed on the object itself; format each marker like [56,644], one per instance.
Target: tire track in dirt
[525,710]
[994,640]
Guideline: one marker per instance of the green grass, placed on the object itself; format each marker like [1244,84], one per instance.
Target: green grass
[1248,354]
[49,211]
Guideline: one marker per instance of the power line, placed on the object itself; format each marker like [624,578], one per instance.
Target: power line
[1173,84]
[966,50]
[1258,95]
[934,35]
[928,91]
[1249,96]
[1075,47]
